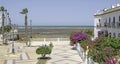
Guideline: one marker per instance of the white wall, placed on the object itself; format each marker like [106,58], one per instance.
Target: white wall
[96,22]
[0,21]
[103,19]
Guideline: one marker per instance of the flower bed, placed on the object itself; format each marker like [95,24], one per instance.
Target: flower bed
[103,50]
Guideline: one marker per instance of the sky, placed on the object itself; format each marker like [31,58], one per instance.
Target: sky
[56,12]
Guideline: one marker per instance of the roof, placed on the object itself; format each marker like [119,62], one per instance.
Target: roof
[108,11]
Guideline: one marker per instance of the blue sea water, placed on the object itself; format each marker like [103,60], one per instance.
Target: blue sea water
[53,29]
[58,27]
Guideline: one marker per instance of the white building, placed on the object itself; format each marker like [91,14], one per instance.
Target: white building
[0,20]
[108,21]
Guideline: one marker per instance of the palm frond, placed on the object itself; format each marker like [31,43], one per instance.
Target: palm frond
[24,11]
[2,8]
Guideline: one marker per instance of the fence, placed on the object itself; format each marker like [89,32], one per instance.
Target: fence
[84,55]
[50,39]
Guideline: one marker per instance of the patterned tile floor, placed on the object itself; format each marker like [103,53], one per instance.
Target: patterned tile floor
[64,54]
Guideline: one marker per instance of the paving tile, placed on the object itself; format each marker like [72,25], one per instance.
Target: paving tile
[10,61]
[63,54]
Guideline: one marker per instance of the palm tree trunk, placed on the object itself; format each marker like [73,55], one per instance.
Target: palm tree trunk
[3,26]
[26,29]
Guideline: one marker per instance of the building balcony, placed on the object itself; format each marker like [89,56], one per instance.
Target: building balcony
[98,26]
[109,25]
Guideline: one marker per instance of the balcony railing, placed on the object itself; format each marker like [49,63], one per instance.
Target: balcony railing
[109,25]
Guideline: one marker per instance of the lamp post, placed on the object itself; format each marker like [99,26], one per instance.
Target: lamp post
[30,33]
[9,19]
[13,49]
[31,27]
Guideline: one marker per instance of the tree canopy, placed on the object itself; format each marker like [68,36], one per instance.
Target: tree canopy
[24,11]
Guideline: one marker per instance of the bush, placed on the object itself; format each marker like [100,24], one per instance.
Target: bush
[85,43]
[43,50]
[89,32]
[105,50]
[7,28]
[78,36]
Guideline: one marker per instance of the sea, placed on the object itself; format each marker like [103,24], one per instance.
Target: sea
[53,31]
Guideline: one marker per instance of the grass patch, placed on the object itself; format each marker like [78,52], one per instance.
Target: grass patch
[42,61]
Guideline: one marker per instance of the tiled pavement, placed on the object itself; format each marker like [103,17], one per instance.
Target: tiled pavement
[64,54]
[9,61]
[23,56]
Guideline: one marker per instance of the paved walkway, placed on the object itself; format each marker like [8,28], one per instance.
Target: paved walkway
[64,54]
[24,56]
[10,61]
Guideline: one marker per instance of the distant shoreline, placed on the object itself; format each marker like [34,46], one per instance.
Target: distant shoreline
[54,29]
[54,26]
[57,27]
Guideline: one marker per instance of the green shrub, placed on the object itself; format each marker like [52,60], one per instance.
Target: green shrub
[7,28]
[85,43]
[43,50]
[42,61]
[104,47]
[89,32]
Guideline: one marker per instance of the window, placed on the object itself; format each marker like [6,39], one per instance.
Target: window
[113,21]
[119,18]
[109,34]
[114,35]
[99,20]
[109,23]
[119,24]
[118,34]
[105,24]
[106,33]
[109,19]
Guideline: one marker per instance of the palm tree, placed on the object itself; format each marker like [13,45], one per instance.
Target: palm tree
[3,17]
[25,11]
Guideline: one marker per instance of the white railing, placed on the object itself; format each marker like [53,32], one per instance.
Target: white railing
[84,55]
[50,39]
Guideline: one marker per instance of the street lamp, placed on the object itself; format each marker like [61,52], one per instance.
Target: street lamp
[9,19]
[13,49]
[30,33]
[31,27]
